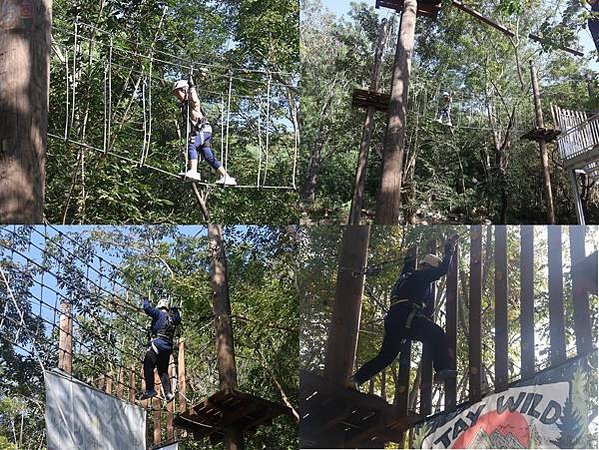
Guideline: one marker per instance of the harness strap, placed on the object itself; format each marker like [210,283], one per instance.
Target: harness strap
[416,307]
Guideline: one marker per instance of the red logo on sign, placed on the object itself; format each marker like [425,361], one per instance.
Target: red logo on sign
[493,430]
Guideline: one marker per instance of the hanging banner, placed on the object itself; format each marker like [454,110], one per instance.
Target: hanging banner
[79,416]
[173,446]
[553,410]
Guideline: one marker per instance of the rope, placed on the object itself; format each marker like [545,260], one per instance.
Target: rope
[228,122]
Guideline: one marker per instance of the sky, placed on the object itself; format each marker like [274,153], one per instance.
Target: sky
[341,7]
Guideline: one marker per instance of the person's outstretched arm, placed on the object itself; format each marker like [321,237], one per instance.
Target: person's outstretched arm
[176,315]
[150,311]
[434,273]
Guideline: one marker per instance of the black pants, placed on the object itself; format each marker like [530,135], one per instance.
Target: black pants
[424,330]
[159,361]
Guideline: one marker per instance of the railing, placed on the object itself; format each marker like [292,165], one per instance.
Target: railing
[580,134]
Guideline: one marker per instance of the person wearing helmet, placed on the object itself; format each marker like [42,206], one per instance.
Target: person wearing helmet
[409,317]
[164,323]
[201,133]
[445,116]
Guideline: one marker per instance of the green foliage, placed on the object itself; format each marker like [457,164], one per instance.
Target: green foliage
[468,176]
[85,186]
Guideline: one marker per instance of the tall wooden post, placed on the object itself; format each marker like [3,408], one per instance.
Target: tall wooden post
[501,307]
[221,305]
[475,320]
[389,195]
[170,407]
[580,297]
[182,381]
[542,146]
[157,412]
[527,305]
[65,338]
[557,329]
[345,323]
[451,326]
[368,127]
[24,77]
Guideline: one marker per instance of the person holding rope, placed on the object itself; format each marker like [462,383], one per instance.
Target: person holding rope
[407,318]
[445,115]
[164,324]
[201,133]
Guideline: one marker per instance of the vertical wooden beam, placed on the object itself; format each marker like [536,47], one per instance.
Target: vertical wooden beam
[342,341]
[451,327]
[225,350]
[580,297]
[426,378]
[65,338]
[368,127]
[527,307]
[557,329]
[156,408]
[182,376]
[227,369]
[120,382]
[542,146]
[109,377]
[474,313]
[405,359]
[24,77]
[389,195]
[501,304]
[170,406]
[132,384]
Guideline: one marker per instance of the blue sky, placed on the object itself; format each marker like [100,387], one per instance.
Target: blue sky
[341,7]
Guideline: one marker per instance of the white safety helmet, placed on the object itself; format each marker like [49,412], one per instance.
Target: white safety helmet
[446,94]
[431,260]
[181,84]
[163,303]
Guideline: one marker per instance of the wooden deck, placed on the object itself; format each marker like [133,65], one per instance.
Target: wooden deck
[228,409]
[351,418]
[363,99]
[426,8]
[541,134]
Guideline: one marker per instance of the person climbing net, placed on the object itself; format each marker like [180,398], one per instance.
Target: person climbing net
[200,134]
[444,116]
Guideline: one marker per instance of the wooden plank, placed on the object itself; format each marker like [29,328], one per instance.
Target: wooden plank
[451,319]
[156,407]
[474,320]
[345,322]
[170,406]
[426,378]
[580,297]
[557,334]
[109,380]
[65,338]
[120,382]
[403,380]
[527,312]
[501,307]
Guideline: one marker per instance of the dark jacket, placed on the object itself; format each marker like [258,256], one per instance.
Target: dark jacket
[417,285]
[159,323]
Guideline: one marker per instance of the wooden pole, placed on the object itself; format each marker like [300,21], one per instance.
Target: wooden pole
[557,331]
[389,195]
[542,146]
[156,407]
[451,326]
[65,339]
[225,351]
[426,370]
[132,384]
[109,382]
[345,323]
[24,77]
[170,406]
[368,127]
[580,297]
[475,295]
[120,382]
[182,380]
[527,305]
[501,306]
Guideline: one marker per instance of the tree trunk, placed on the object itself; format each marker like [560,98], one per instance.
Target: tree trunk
[24,77]
[389,195]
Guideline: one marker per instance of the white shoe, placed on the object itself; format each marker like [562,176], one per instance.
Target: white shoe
[192,175]
[227,180]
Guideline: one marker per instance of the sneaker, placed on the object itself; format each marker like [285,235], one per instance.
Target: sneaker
[191,175]
[169,397]
[445,374]
[227,181]
[148,394]
[449,124]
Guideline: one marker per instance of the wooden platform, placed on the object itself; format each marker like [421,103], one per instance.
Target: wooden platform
[541,134]
[225,410]
[330,411]
[363,99]
[427,8]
